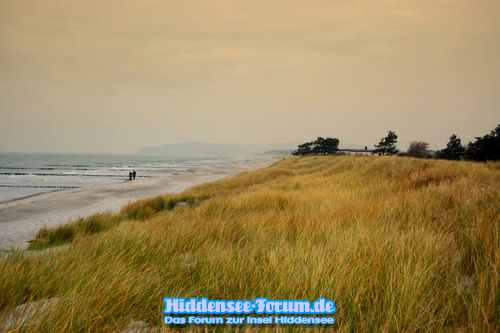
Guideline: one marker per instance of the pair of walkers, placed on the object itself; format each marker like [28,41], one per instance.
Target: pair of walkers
[131,175]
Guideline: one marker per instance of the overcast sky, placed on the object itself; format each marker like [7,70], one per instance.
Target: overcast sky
[117,75]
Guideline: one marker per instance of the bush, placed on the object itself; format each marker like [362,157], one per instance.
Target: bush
[418,149]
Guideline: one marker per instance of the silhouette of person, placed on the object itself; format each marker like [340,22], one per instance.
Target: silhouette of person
[130,175]
[133,175]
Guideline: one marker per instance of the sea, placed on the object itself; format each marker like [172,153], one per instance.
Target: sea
[27,174]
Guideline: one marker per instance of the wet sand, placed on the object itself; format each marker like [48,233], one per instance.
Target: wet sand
[21,219]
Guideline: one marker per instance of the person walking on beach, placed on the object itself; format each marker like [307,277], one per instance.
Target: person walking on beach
[130,175]
[133,175]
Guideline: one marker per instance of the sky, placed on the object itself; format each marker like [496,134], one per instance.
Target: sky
[113,76]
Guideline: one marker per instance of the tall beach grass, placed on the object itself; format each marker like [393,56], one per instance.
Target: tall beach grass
[400,244]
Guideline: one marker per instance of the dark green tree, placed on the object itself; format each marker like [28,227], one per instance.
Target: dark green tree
[485,148]
[319,146]
[453,151]
[326,146]
[330,145]
[304,149]
[387,145]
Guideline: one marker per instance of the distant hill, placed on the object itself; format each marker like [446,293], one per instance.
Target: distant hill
[215,149]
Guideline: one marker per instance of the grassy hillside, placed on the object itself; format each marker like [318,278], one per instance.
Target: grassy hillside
[399,244]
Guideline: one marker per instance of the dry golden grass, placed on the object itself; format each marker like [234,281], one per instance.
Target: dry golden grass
[399,244]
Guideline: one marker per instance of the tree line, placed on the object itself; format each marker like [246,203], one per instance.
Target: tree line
[484,148]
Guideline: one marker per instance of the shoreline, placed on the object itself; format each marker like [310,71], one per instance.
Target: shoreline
[22,218]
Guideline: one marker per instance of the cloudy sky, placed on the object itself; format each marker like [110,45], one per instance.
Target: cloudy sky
[118,75]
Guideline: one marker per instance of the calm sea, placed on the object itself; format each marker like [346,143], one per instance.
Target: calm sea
[25,174]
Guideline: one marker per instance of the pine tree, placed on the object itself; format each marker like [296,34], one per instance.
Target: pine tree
[454,149]
[318,146]
[485,148]
[303,149]
[387,145]
[326,146]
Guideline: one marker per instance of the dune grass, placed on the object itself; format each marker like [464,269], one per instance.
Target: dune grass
[140,210]
[400,244]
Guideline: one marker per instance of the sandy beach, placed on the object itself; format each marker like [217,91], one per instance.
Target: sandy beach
[21,219]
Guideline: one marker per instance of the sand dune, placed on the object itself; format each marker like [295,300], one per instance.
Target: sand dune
[21,219]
